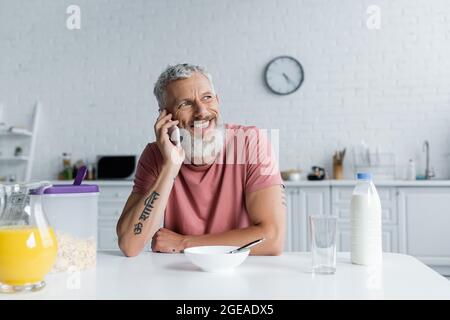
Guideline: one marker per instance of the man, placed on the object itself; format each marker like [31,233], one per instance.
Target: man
[218,187]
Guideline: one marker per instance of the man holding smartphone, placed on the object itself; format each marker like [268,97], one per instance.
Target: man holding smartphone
[219,186]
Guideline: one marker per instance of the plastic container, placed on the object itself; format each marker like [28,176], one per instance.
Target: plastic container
[366,228]
[72,211]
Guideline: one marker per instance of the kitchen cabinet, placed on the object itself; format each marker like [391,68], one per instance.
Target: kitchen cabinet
[341,197]
[292,203]
[425,225]
[112,199]
[302,202]
[107,237]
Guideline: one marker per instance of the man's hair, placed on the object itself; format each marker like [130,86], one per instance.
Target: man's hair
[172,73]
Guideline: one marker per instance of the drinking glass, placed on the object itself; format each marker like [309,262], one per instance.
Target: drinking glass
[323,231]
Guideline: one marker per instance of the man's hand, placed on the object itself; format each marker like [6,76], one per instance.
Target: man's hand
[168,241]
[173,156]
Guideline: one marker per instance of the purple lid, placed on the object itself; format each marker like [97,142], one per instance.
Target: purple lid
[68,188]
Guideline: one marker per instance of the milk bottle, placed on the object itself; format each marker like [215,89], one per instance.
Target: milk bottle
[365,215]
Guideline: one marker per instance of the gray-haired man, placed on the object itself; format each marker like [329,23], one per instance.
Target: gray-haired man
[201,189]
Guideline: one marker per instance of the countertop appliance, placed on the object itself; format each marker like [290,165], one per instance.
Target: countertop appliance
[116,167]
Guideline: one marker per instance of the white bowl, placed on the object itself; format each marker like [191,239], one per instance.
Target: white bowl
[216,258]
[294,176]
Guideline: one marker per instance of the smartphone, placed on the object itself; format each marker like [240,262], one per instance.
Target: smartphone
[174,135]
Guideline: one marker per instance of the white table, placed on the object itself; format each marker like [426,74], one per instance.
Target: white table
[171,276]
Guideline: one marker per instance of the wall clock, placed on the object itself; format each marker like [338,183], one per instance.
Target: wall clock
[283,75]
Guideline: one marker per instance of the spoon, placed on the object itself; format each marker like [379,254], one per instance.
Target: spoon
[248,245]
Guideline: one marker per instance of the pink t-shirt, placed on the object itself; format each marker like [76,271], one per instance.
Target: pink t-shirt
[211,198]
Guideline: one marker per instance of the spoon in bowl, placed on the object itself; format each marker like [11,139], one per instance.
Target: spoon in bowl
[248,245]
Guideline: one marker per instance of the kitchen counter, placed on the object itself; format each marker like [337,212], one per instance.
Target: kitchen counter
[381,183]
[172,276]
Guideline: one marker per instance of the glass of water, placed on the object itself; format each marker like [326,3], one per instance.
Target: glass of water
[323,231]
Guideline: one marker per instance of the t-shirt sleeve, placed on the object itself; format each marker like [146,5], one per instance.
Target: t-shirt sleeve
[262,163]
[147,169]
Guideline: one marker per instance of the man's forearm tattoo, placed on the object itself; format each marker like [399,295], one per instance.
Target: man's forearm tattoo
[148,206]
[148,202]
[283,195]
[138,228]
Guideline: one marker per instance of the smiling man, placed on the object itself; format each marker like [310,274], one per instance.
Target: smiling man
[219,186]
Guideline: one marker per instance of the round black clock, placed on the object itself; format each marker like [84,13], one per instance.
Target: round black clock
[283,75]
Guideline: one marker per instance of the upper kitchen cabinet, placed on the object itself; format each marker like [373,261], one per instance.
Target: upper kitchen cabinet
[424,215]
[302,202]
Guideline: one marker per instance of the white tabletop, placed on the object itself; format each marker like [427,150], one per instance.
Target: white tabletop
[172,276]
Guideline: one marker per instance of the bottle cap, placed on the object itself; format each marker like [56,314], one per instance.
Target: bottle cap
[364,176]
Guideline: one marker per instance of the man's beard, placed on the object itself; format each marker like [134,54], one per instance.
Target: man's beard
[203,150]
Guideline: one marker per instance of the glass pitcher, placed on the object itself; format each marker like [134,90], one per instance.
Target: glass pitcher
[28,245]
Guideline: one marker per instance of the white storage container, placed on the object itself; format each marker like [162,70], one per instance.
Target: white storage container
[72,212]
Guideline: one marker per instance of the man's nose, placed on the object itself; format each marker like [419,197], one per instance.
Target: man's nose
[200,110]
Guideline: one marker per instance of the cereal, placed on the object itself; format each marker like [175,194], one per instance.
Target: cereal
[79,253]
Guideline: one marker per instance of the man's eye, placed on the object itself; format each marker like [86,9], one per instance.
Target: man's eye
[183,104]
[207,97]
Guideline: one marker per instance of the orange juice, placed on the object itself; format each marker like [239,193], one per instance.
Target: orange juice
[27,254]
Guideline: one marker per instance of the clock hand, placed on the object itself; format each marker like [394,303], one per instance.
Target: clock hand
[287,78]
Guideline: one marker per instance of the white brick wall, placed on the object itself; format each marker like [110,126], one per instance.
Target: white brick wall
[389,87]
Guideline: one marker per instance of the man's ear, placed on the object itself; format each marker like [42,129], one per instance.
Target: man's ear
[169,110]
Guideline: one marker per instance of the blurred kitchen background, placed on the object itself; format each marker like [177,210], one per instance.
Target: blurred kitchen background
[376,83]
[386,86]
